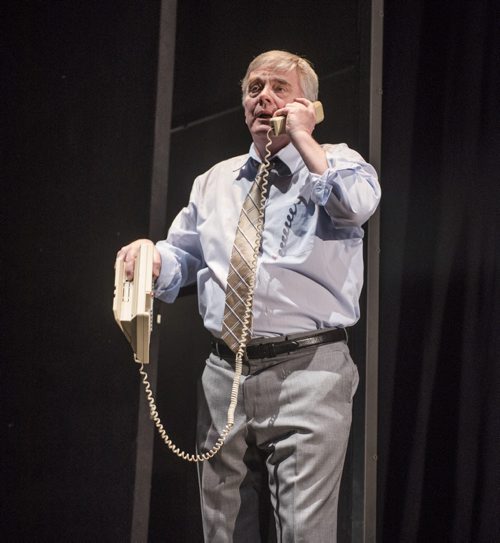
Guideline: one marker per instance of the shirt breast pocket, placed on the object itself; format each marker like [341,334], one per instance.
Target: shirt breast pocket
[291,233]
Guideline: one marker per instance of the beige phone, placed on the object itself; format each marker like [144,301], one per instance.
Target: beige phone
[278,124]
[133,302]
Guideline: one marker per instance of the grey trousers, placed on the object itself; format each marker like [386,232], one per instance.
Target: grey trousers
[290,433]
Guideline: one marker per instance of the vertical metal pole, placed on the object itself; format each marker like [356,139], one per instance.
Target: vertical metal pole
[163,120]
[157,229]
[372,309]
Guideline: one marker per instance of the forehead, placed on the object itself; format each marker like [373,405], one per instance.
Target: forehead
[290,77]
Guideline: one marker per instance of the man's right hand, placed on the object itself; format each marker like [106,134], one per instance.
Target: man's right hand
[129,253]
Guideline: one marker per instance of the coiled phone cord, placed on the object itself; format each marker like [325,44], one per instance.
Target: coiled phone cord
[262,178]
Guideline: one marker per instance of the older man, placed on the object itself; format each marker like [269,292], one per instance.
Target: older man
[292,421]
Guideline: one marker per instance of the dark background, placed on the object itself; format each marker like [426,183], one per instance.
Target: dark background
[78,95]
[439,432]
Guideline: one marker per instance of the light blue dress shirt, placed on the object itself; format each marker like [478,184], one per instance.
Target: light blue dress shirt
[310,270]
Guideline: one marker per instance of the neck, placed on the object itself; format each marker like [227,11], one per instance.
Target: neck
[277,144]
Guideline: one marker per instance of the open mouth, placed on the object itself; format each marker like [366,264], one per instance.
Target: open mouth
[264,116]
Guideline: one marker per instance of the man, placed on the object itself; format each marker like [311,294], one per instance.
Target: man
[295,397]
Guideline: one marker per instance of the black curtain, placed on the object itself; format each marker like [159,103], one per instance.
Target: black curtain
[439,438]
[78,101]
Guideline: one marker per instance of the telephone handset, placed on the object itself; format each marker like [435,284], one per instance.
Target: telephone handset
[278,124]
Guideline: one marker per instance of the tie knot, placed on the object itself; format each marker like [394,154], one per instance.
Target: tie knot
[279,168]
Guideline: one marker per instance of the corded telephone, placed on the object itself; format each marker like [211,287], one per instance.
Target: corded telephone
[278,124]
[133,309]
[133,302]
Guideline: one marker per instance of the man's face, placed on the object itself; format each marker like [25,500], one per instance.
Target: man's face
[266,92]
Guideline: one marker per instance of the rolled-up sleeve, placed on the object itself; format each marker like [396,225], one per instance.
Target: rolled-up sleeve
[349,189]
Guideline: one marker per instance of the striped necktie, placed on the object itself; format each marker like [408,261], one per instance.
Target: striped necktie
[237,320]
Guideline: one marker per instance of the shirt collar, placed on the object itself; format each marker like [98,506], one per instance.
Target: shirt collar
[289,155]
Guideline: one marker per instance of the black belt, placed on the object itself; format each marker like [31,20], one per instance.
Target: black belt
[288,344]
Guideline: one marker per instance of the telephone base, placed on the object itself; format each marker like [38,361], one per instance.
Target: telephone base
[133,303]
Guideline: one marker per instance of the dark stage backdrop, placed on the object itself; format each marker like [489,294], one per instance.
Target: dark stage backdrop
[78,90]
[439,432]
[78,94]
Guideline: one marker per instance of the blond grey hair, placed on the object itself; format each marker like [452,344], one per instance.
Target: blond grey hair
[284,61]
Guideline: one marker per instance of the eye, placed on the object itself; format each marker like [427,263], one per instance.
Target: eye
[254,89]
[280,89]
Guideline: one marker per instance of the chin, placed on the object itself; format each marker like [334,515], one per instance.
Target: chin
[260,133]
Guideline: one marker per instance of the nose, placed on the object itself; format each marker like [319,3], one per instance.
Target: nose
[264,100]
[265,95]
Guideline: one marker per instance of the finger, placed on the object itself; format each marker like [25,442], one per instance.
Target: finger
[121,252]
[129,269]
[156,263]
[129,257]
[303,101]
[283,111]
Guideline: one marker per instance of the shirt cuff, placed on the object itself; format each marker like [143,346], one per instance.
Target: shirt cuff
[322,185]
[329,181]
[167,284]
